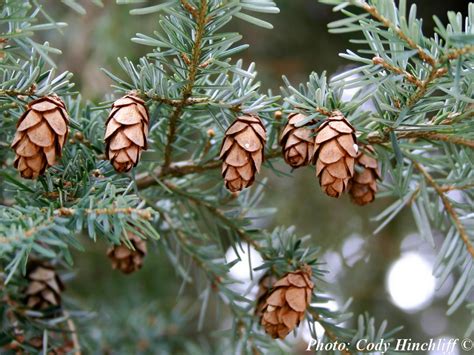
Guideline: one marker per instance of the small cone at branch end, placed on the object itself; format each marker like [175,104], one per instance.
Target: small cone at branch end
[363,186]
[242,152]
[44,287]
[41,132]
[128,260]
[126,132]
[285,304]
[297,142]
[335,149]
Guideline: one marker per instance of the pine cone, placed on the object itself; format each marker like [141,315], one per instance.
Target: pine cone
[363,186]
[40,136]
[297,142]
[242,152]
[334,151]
[126,132]
[44,288]
[128,260]
[285,307]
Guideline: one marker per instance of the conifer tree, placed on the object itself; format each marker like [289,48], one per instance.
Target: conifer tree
[144,167]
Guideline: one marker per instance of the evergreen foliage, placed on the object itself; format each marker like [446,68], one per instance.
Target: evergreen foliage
[414,104]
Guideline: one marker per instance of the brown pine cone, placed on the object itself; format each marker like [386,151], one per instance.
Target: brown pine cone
[363,186]
[40,136]
[44,288]
[334,152]
[126,132]
[128,260]
[297,142]
[286,305]
[242,152]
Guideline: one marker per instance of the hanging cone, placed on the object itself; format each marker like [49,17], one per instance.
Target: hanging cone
[286,305]
[44,288]
[242,152]
[363,186]
[126,132]
[40,136]
[128,260]
[297,142]
[334,153]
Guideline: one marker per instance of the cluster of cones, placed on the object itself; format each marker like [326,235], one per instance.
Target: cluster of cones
[43,128]
[341,164]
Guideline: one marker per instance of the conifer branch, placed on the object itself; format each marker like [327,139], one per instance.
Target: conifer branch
[436,65]
[7,106]
[174,102]
[448,206]
[69,212]
[191,101]
[201,20]
[324,111]
[423,88]
[182,238]
[192,69]
[373,11]
[220,215]
[66,212]
[447,188]
[179,169]
[191,9]
[411,78]
[376,138]
[456,53]
[28,233]
[12,92]
[145,180]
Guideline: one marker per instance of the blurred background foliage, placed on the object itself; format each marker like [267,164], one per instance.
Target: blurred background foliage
[357,261]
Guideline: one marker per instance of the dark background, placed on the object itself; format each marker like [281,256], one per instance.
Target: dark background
[298,44]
